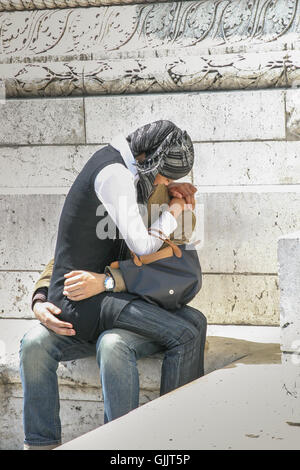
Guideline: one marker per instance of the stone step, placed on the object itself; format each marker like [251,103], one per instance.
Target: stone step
[80,391]
[239,407]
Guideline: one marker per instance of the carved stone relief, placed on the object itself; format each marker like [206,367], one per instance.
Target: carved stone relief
[191,45]
[9,5]
[138,27]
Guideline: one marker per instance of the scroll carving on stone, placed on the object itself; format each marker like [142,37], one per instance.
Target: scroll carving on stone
[186,45]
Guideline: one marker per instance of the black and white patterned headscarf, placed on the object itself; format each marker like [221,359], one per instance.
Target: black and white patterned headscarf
[169,151]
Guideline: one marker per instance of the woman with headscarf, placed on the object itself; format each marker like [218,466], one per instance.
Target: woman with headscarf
[118,326]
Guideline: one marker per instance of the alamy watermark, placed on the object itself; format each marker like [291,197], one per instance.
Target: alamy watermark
[189,230]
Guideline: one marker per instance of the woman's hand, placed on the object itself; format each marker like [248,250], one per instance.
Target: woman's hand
[45,312]
[183,190]
[81,285]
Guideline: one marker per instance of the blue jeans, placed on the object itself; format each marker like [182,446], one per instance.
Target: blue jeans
[141,330]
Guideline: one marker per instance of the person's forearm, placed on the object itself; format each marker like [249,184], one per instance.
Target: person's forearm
[40,294]
[45,277]
[114,187]
[118,278]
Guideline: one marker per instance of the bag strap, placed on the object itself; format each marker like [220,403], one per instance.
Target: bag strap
[176,250]
[138,260]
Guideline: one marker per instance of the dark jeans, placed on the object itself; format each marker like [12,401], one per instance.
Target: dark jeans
[141,330]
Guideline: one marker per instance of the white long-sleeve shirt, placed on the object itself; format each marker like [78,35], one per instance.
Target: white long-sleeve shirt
[115,186]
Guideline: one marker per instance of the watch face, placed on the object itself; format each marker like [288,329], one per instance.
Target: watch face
[109,283]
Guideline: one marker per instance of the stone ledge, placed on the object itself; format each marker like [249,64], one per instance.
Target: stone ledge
[219,352]
[240,407]
[80,391]
[141,75]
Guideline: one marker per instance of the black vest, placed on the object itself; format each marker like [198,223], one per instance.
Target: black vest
[78,247]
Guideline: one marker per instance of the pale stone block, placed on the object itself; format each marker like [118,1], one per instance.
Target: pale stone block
[16,293]
[42,121]
[42,166]
[293,112]
[289,282]
[241,229]
[78,415]
[246,163]
[207,116]
[291,386]
[228,305]
[45,166]
[239,299]
[29,233]
[77,418]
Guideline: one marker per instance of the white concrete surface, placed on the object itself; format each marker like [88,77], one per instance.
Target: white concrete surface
[263,334]
[289,282]
[239,407]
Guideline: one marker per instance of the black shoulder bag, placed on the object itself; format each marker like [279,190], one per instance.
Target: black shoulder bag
[170,278]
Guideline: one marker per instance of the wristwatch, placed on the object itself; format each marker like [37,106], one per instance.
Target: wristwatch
[109,282]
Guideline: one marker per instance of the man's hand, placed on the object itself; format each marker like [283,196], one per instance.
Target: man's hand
[81,285]
[45,312]
[183,190]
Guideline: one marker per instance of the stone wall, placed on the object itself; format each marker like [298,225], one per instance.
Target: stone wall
[247,172]
[72,74]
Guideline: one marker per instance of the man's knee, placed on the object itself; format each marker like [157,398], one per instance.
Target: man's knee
[197,325]
[34,347]
[112,346]
[202,321]
[196,317]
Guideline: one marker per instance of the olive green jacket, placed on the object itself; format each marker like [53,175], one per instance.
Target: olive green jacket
[159,197]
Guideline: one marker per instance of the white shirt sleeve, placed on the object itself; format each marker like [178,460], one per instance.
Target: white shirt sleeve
[114,186]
